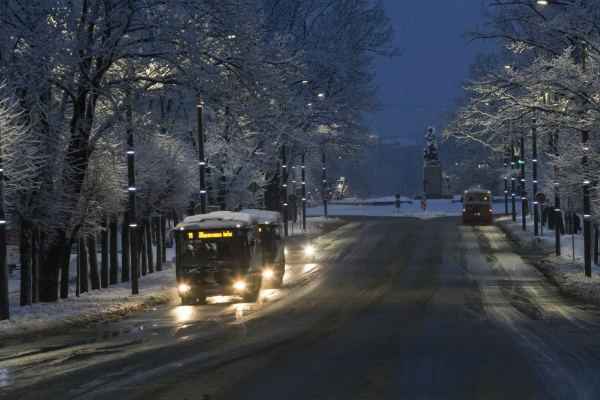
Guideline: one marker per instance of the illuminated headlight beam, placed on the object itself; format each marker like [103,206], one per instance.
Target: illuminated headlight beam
[309,250]
[183,288]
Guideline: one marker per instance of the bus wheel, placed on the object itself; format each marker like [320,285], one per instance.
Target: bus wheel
[278,280]
[251,297]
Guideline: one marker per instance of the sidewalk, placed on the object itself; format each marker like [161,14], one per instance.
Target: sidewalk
[563,271]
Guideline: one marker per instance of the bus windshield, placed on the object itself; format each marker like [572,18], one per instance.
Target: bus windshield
[199,252]
[473,197]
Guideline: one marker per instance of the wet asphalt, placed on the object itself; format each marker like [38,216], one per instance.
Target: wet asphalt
[391,308]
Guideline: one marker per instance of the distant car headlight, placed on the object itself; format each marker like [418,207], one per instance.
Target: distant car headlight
[239,285]
[309,251]
[184,288]
[268,273]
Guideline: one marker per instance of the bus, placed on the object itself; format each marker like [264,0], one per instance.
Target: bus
[218,253]
[270,232]
[477,207]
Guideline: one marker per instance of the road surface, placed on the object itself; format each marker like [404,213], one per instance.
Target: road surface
[391,308]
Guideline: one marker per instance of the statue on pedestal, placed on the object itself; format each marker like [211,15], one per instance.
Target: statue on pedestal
[432,170]
[431,151]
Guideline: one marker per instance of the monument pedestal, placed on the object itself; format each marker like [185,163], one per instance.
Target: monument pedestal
[432,180]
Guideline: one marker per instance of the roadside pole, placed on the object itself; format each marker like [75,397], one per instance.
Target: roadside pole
[201,160]
[557,212]
[536,205]
[284,189]
[131,189]
[523,189]
[4,298]
[324,186]
[512,181]
[303,167]
[572,216]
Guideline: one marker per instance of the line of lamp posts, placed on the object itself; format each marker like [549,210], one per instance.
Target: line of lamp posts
[517,163]
[285,201]
[288,208]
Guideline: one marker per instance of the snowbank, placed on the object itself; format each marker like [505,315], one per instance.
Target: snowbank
[97,305]
[566,273]
[434,208]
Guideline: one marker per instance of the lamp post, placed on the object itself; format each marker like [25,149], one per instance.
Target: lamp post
[523,195]
[587,217]
[303,167]
[131,189]
[284,189]
[201,160]
[512,181]
[4,307]
[534,161]
[505,163]
[324,177]
[557,212]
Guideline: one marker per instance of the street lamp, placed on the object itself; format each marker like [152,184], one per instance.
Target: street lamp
[201,160]
[4,305]
[284,173]
[534,165]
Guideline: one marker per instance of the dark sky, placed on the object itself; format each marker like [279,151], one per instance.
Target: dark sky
[420,87]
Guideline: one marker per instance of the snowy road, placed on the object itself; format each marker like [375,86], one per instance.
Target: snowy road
[392,308]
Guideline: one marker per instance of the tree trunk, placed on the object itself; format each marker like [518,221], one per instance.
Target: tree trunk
[25,256]
[125,276]
[163,238]
[150,256]
[50,268]
[143,253]
[273,192]
[175,218]
[83,268]
[64,257]
[159,247]
[93,259]
[104,260]
[35,265]
[114,251]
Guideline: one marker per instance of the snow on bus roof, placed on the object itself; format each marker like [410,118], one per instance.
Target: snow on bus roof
[218,219]
[477,190]
[263,216]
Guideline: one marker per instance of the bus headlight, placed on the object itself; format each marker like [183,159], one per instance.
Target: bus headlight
[239,285]
[309,251]
[268,273]
[184,288]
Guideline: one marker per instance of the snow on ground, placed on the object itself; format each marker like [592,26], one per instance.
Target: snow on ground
[566,272]
[314,225]
[434,208]
[97,305]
